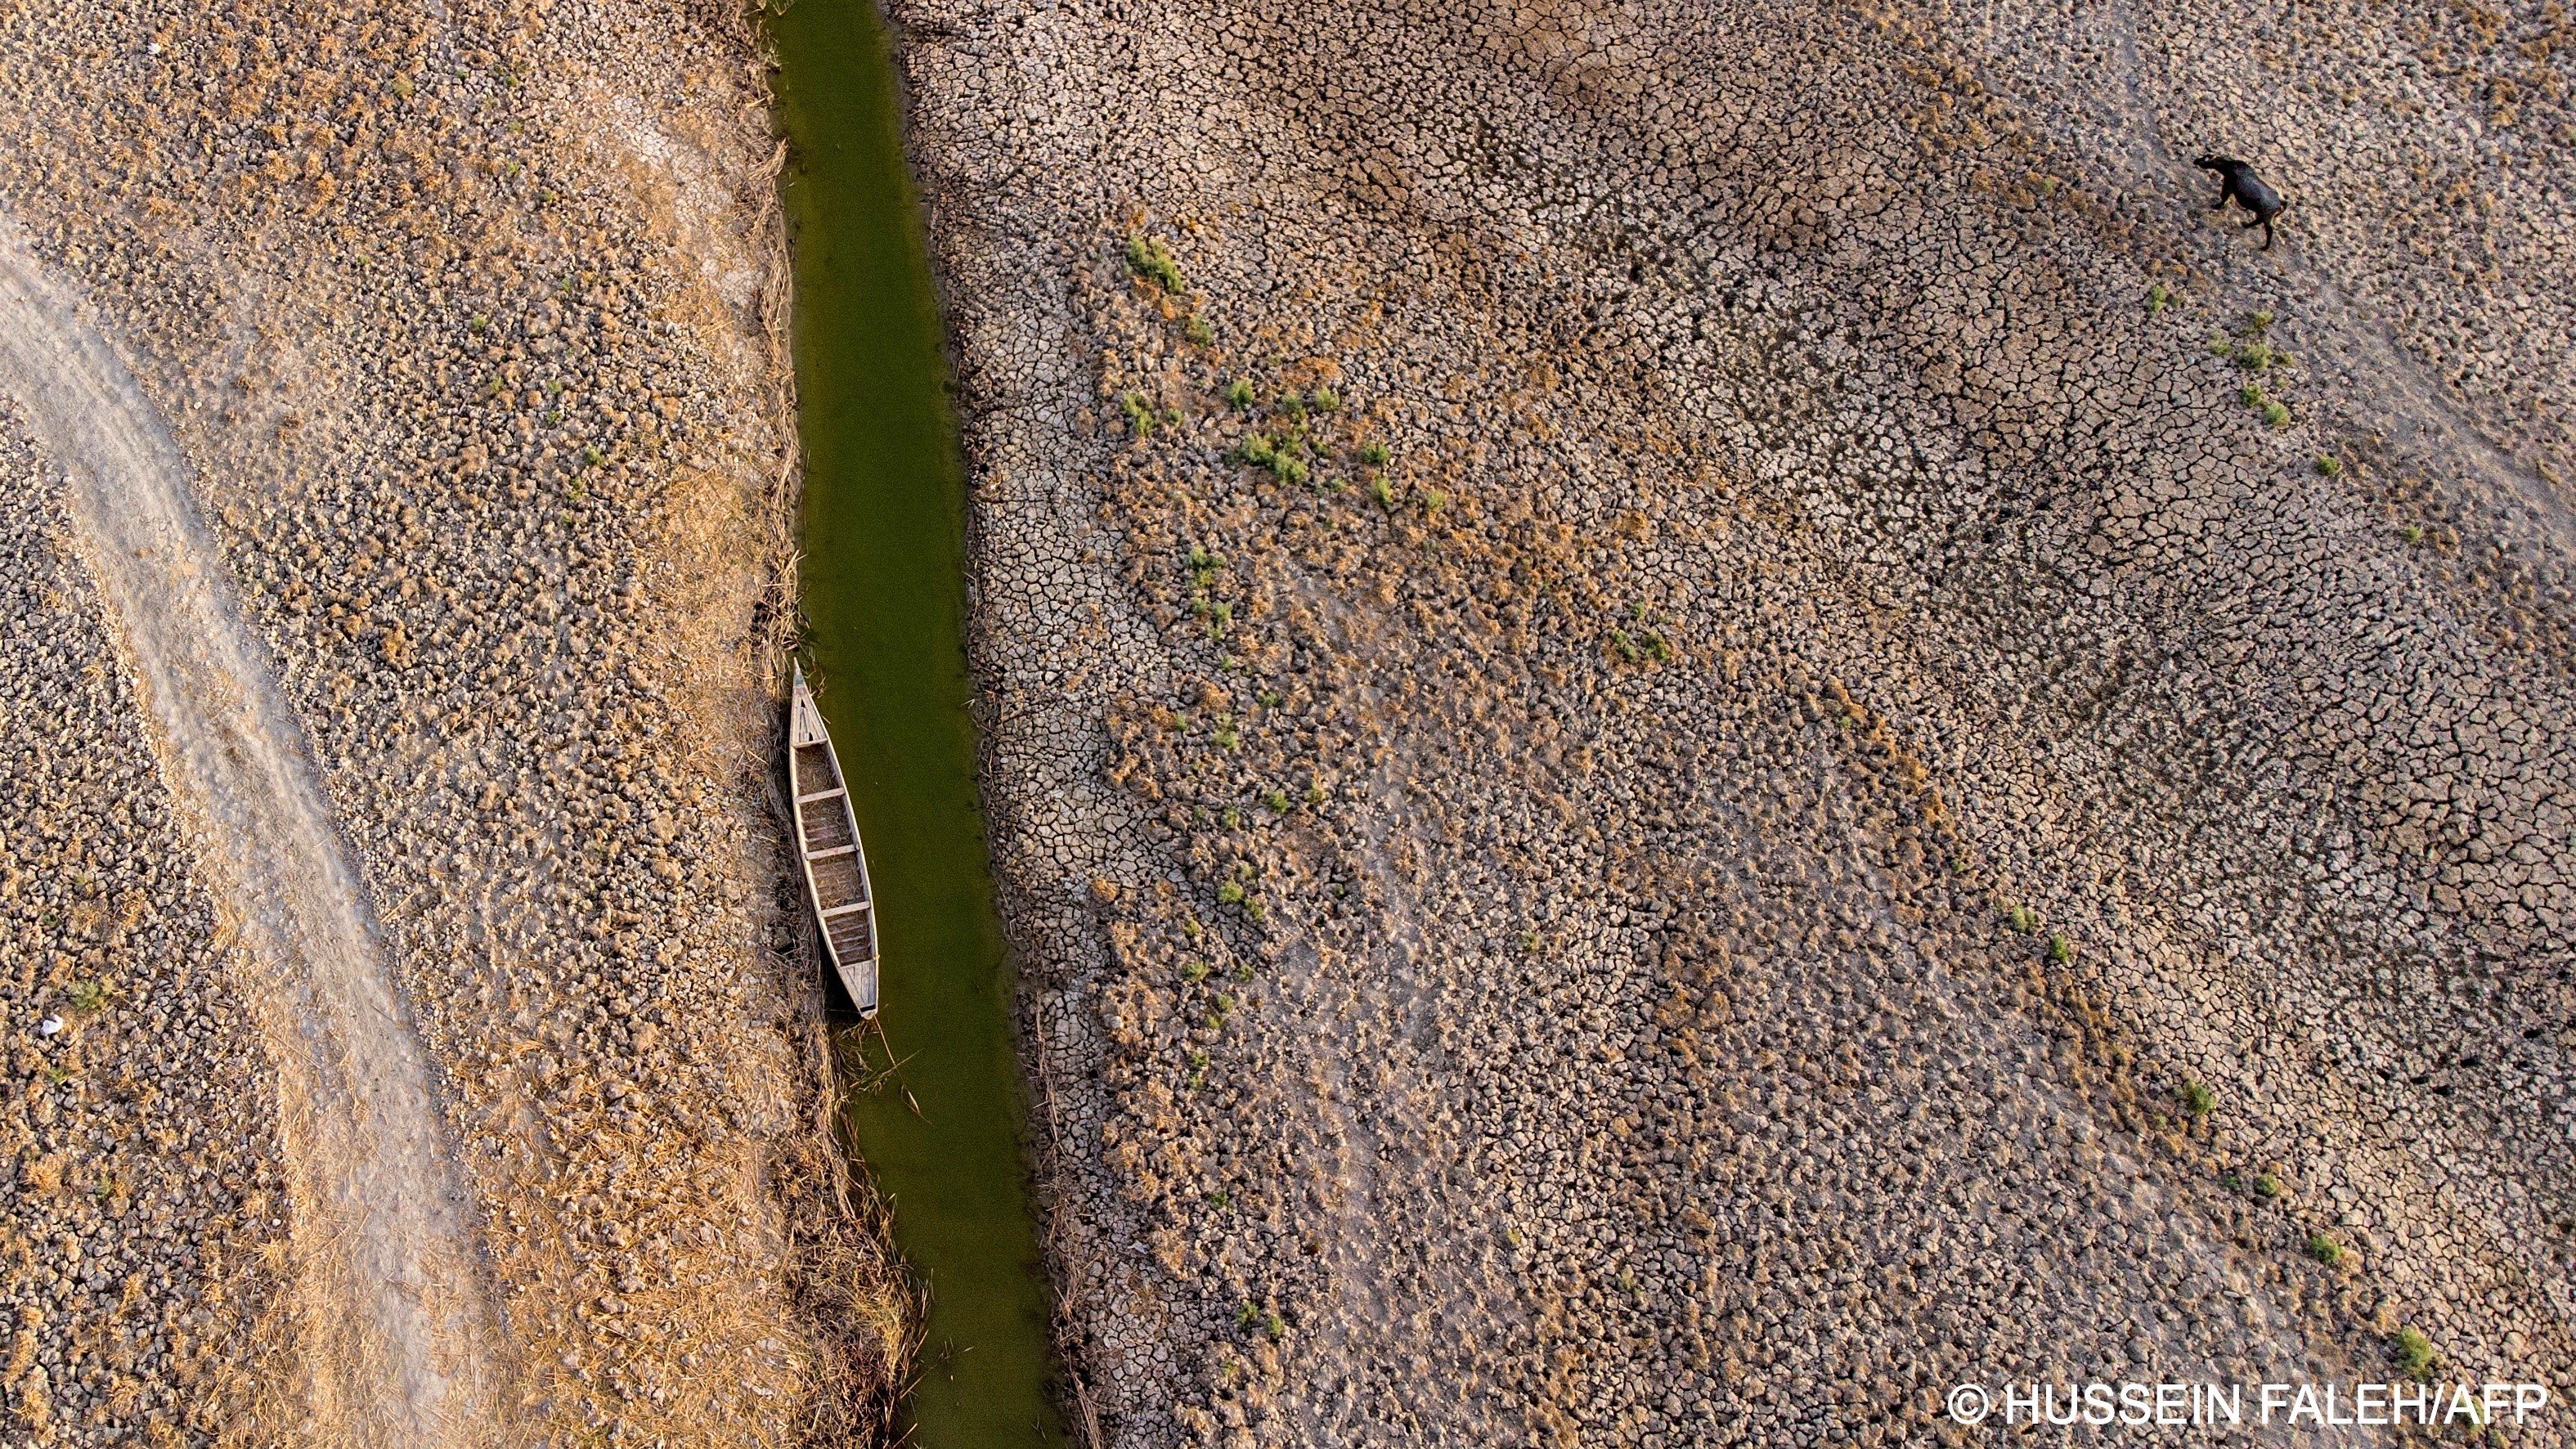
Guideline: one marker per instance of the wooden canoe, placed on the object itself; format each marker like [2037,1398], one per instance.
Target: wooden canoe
[827,843]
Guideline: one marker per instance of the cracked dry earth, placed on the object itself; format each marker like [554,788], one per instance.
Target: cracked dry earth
[382,1245]
[390,434]
[1705,716]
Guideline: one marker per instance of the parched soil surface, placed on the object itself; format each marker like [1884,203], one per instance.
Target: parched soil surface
[1705,716]
[384,1250]
[390,676]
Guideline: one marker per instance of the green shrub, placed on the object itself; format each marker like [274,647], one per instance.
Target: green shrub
[1195,970]
[1196,329]
[1239,393]
[1221,1199]
[89,995]
[1276,799]
[1384,495]
[2158,299]
[2412,533]
[1148,257]
[1231,818]
[1373,453]
[2197,1099]
[2276,415]
[2266,1186]
[1226,738]
[2021,918]
[2325,1250]
[1435,500]
[1327,400]
[2414,1353]
[1230,893]
[2060,950]
[2329,465]
[1140,415]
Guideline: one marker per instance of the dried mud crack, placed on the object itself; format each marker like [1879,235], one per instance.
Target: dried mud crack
[398,1340]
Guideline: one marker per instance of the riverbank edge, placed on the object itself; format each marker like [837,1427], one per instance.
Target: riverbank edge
[1051,911]
[849,1283]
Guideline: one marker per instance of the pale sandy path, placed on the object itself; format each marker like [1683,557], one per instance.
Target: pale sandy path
[397,1338]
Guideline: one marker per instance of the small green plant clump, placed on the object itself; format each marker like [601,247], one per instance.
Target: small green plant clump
[2329,465]
[1384,494]
[2060,950]
[1276,799]
[2267,1187]
[2197,1099]
[1231,893]
[90,996]
[1239,393]
[1148,257]
[2271,410]
[2412,533]
[2021,918]
[1373,453]
[1195,970]
[2414,1353]
[2158,298]
[2325,1250]
[1196,329]
[1260,452]
[1140,414]
[1326,400]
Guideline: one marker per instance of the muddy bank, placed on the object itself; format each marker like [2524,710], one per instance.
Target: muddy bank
[1702,720]
[464,330]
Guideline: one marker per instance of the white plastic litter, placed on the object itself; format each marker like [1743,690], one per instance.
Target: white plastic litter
[49,1026]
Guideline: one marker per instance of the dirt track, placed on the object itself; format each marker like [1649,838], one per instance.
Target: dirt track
[397,1333]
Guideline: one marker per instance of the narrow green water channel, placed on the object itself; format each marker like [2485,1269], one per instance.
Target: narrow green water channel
[884,586]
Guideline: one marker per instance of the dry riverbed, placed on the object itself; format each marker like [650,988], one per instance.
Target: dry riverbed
[388,665]
[1705,716]
[1699,717]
